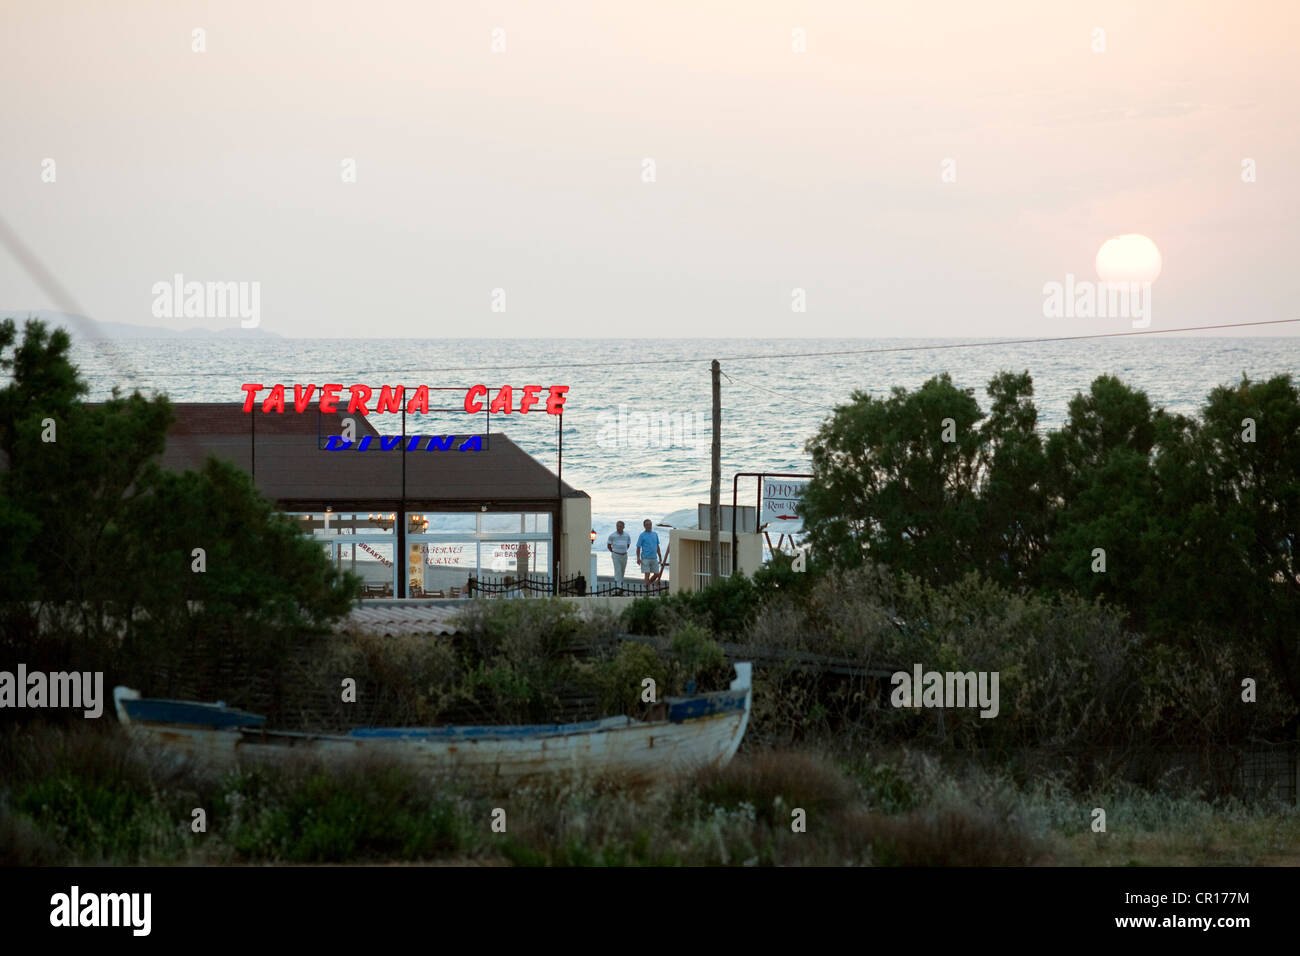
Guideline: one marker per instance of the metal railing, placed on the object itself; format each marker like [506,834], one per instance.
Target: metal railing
[573,586]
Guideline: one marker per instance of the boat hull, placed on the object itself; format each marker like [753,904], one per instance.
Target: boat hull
[707,734]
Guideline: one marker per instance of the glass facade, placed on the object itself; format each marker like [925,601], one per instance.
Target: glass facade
[451,547]
[364,544]
[444,549]
[333,524]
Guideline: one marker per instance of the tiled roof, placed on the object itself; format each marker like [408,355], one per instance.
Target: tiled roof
[224,418]
[393,620]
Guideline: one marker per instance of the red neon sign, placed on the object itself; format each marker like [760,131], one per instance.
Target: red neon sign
[390,399]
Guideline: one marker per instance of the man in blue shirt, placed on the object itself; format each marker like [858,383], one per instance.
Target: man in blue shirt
[648,555]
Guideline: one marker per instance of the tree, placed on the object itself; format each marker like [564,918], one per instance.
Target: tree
[896,478]
[1015,512]
[101,563]
[1189,525]
[43,389]
[206,554]
[1105,495]
[1250,449]
[926,483]
[44,383]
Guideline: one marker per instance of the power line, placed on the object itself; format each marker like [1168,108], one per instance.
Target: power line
[62,298]
[875,351]
[783,397]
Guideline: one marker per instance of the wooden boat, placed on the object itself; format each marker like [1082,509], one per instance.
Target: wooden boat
[697,731]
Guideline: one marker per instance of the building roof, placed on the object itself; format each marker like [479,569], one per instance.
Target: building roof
[290,467]
[391,620]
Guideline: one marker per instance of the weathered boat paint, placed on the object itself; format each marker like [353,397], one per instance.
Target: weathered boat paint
[692,708]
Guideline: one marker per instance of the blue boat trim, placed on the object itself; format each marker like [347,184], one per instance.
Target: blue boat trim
[693,708]
[498,732]
[189,713]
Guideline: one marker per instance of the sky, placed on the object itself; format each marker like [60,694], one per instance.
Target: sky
[917,169]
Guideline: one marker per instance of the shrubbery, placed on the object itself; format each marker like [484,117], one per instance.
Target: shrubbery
[724,608]
[1072,676]
[1188,526]
[510,662]
[110,583]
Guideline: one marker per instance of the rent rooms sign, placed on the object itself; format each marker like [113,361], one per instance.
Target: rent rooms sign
[780,503]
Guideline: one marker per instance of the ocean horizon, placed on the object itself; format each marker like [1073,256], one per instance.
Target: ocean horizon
[637,418]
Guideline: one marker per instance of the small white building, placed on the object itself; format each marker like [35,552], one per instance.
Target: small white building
[689,549]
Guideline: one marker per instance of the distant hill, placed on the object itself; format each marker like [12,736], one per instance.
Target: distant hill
[81,327]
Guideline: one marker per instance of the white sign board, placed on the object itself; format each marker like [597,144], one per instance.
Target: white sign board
[780,498]
[454,555]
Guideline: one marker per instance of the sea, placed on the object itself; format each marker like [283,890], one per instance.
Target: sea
[637,418]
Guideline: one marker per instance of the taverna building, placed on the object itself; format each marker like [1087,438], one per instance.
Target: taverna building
[435,516]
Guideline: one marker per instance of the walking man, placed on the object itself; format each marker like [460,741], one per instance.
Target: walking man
[647,552]
[618,546]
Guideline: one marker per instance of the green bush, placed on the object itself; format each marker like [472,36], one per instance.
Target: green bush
[516,658]
[509,662]
[616,676]
[725,608]
[1072,675]
[699,656]
[616,679]
[353,812]
[95,821]
[886,788]
[778,576]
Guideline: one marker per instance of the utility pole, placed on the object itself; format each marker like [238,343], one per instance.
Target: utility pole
[403,556]
[558,533]
[715,485]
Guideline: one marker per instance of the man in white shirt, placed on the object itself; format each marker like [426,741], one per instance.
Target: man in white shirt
[618,545]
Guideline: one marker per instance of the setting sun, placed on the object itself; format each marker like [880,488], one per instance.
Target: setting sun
[1128,258]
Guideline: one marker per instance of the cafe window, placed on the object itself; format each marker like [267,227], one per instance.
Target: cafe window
[360,543]
[445,550]
[450,548]
[333,524]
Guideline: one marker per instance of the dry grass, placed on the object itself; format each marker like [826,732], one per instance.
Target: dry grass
[85,796]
